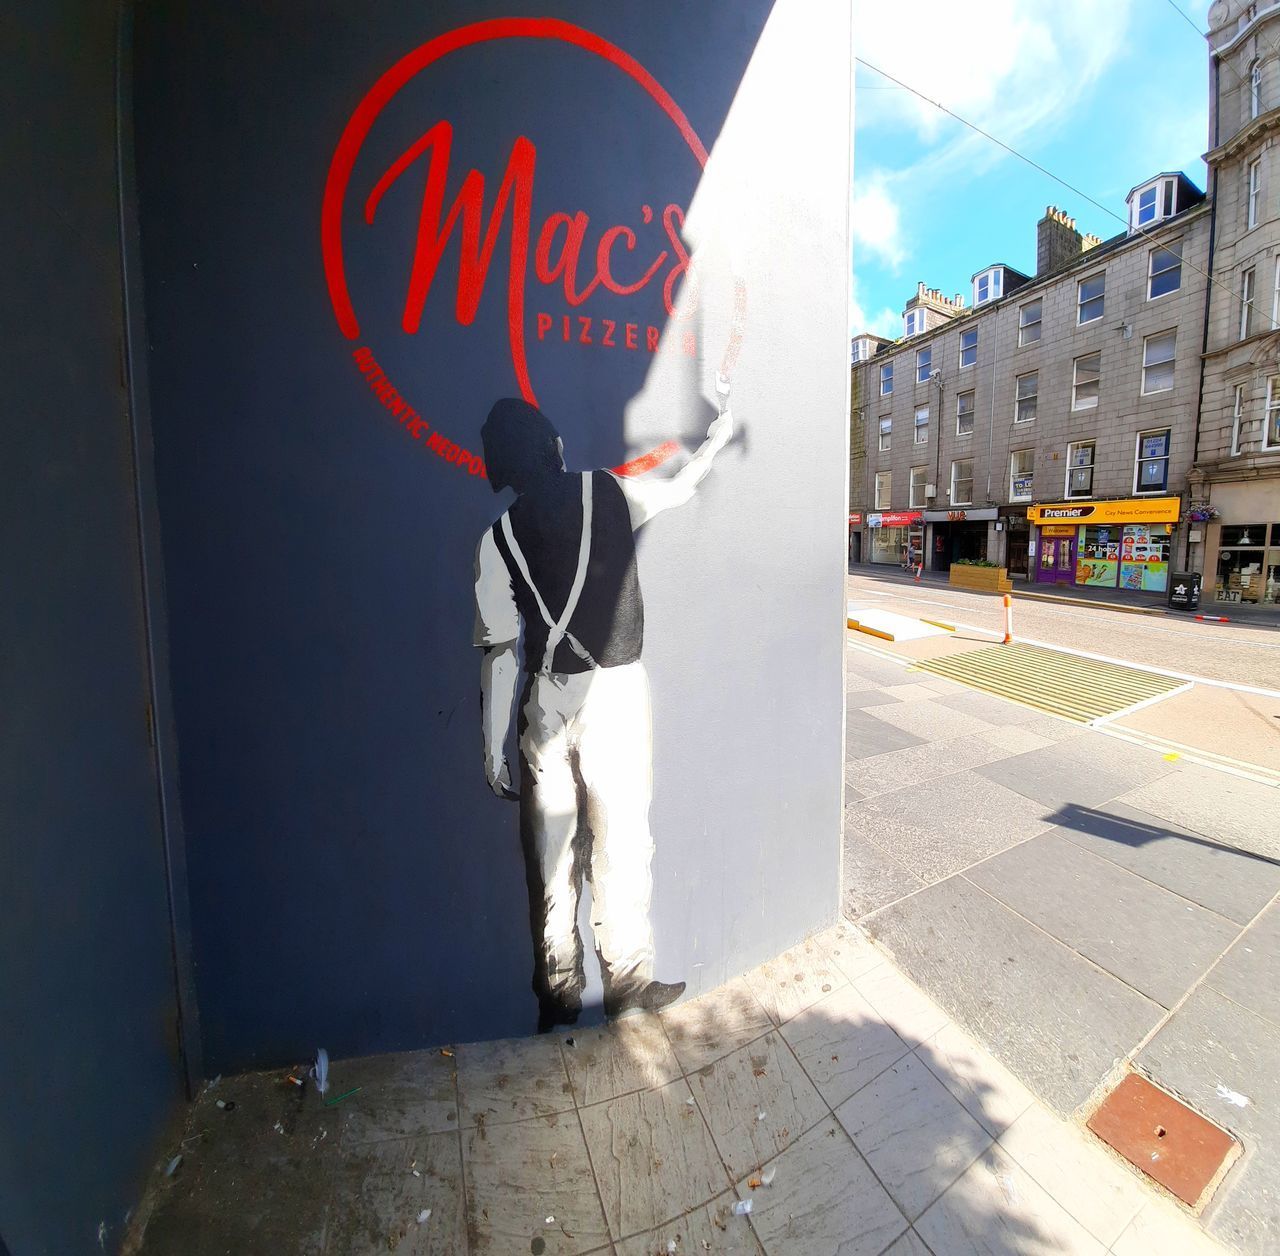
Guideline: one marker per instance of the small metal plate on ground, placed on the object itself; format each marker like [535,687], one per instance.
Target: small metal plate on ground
[1163,1137]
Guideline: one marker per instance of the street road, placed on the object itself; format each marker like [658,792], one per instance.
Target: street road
[1246,654]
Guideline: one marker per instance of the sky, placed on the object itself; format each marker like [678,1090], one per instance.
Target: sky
[1103,93]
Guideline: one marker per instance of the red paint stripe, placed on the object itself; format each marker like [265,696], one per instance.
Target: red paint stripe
[647,462]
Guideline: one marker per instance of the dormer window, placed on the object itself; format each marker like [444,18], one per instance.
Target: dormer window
[988,285]
[913,321]
[1152,203]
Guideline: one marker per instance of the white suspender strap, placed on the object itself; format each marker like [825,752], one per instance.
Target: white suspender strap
[558,630]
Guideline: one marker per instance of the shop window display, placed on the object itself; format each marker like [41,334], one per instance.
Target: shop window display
[1098,555]
[1144,557]
[1249,564]
[1134,556]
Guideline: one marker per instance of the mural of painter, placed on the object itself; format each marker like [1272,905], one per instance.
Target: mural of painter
[561,565]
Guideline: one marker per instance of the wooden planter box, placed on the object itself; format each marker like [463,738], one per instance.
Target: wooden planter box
[982,579]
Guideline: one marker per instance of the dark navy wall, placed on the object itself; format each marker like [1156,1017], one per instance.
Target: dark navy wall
[353,881]
[89,1070]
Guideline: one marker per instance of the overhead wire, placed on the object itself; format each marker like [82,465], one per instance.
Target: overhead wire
[1035,165]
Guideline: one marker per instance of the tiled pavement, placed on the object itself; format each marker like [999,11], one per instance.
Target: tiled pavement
[1078,903]
[824,1088]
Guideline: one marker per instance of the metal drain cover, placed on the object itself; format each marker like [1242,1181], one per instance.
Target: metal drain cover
[1162,1136]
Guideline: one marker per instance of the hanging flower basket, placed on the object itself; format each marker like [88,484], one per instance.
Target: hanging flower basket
[1202,512]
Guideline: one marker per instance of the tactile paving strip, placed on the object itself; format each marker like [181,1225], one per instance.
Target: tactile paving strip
[1082,689]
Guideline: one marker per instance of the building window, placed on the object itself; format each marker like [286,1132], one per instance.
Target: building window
[924,360]
[1237,417]
[962,482]
[912,322]
[918,475]
[1165,274]
[1255,89]
[1275,297]
[1022,467]
[922,425]
[968,347]
[1157,362]
[986,286]
[1147,206]
[1029,323]
[886,379]
[886,433]
[1151,472]
[1080,469]
[1247,279]
[884,489]
[1255,186]
[1152,202]
[1028,395]
[964,414]
[1271,429]
[1084,387]
[858,351]
[1092,298]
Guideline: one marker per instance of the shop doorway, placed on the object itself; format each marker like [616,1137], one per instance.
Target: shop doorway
[955,541]
[1016,550]
[1057,561]
[855,547]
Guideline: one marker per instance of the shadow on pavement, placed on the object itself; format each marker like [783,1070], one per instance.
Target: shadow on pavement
[819,1104]
[1134,833]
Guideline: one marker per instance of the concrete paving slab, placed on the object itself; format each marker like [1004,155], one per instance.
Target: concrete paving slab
[872,667]
[931,720]
[1229,809]
[1053,1018]
[865,735]
[1055,779]
[1214,1054]
[757,1102]
[823,1198]
[1141,764]
[1153,940]
[939,826]
[652,1156]
[985,1088]
[1101,1193]
[998,1209]
[1014,739]
[986,706]
[842,1044]
[1249,974]
[913,1132]
[1232,883]
[883,773]
[868,697]
[872,877]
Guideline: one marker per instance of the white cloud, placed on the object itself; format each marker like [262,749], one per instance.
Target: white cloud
[876,221]
[884,322]
[1017,71]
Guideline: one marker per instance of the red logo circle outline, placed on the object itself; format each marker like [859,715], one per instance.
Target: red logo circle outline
[412,63]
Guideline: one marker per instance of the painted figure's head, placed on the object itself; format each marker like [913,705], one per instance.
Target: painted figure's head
[521,446]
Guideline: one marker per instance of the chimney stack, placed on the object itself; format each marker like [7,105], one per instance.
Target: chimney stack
[1057,240]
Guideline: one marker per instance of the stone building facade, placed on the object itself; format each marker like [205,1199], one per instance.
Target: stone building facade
[1049,426]
[1236,476]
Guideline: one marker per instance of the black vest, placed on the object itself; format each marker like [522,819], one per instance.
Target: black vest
[547,523]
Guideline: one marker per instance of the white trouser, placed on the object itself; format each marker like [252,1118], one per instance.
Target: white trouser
[587,740]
